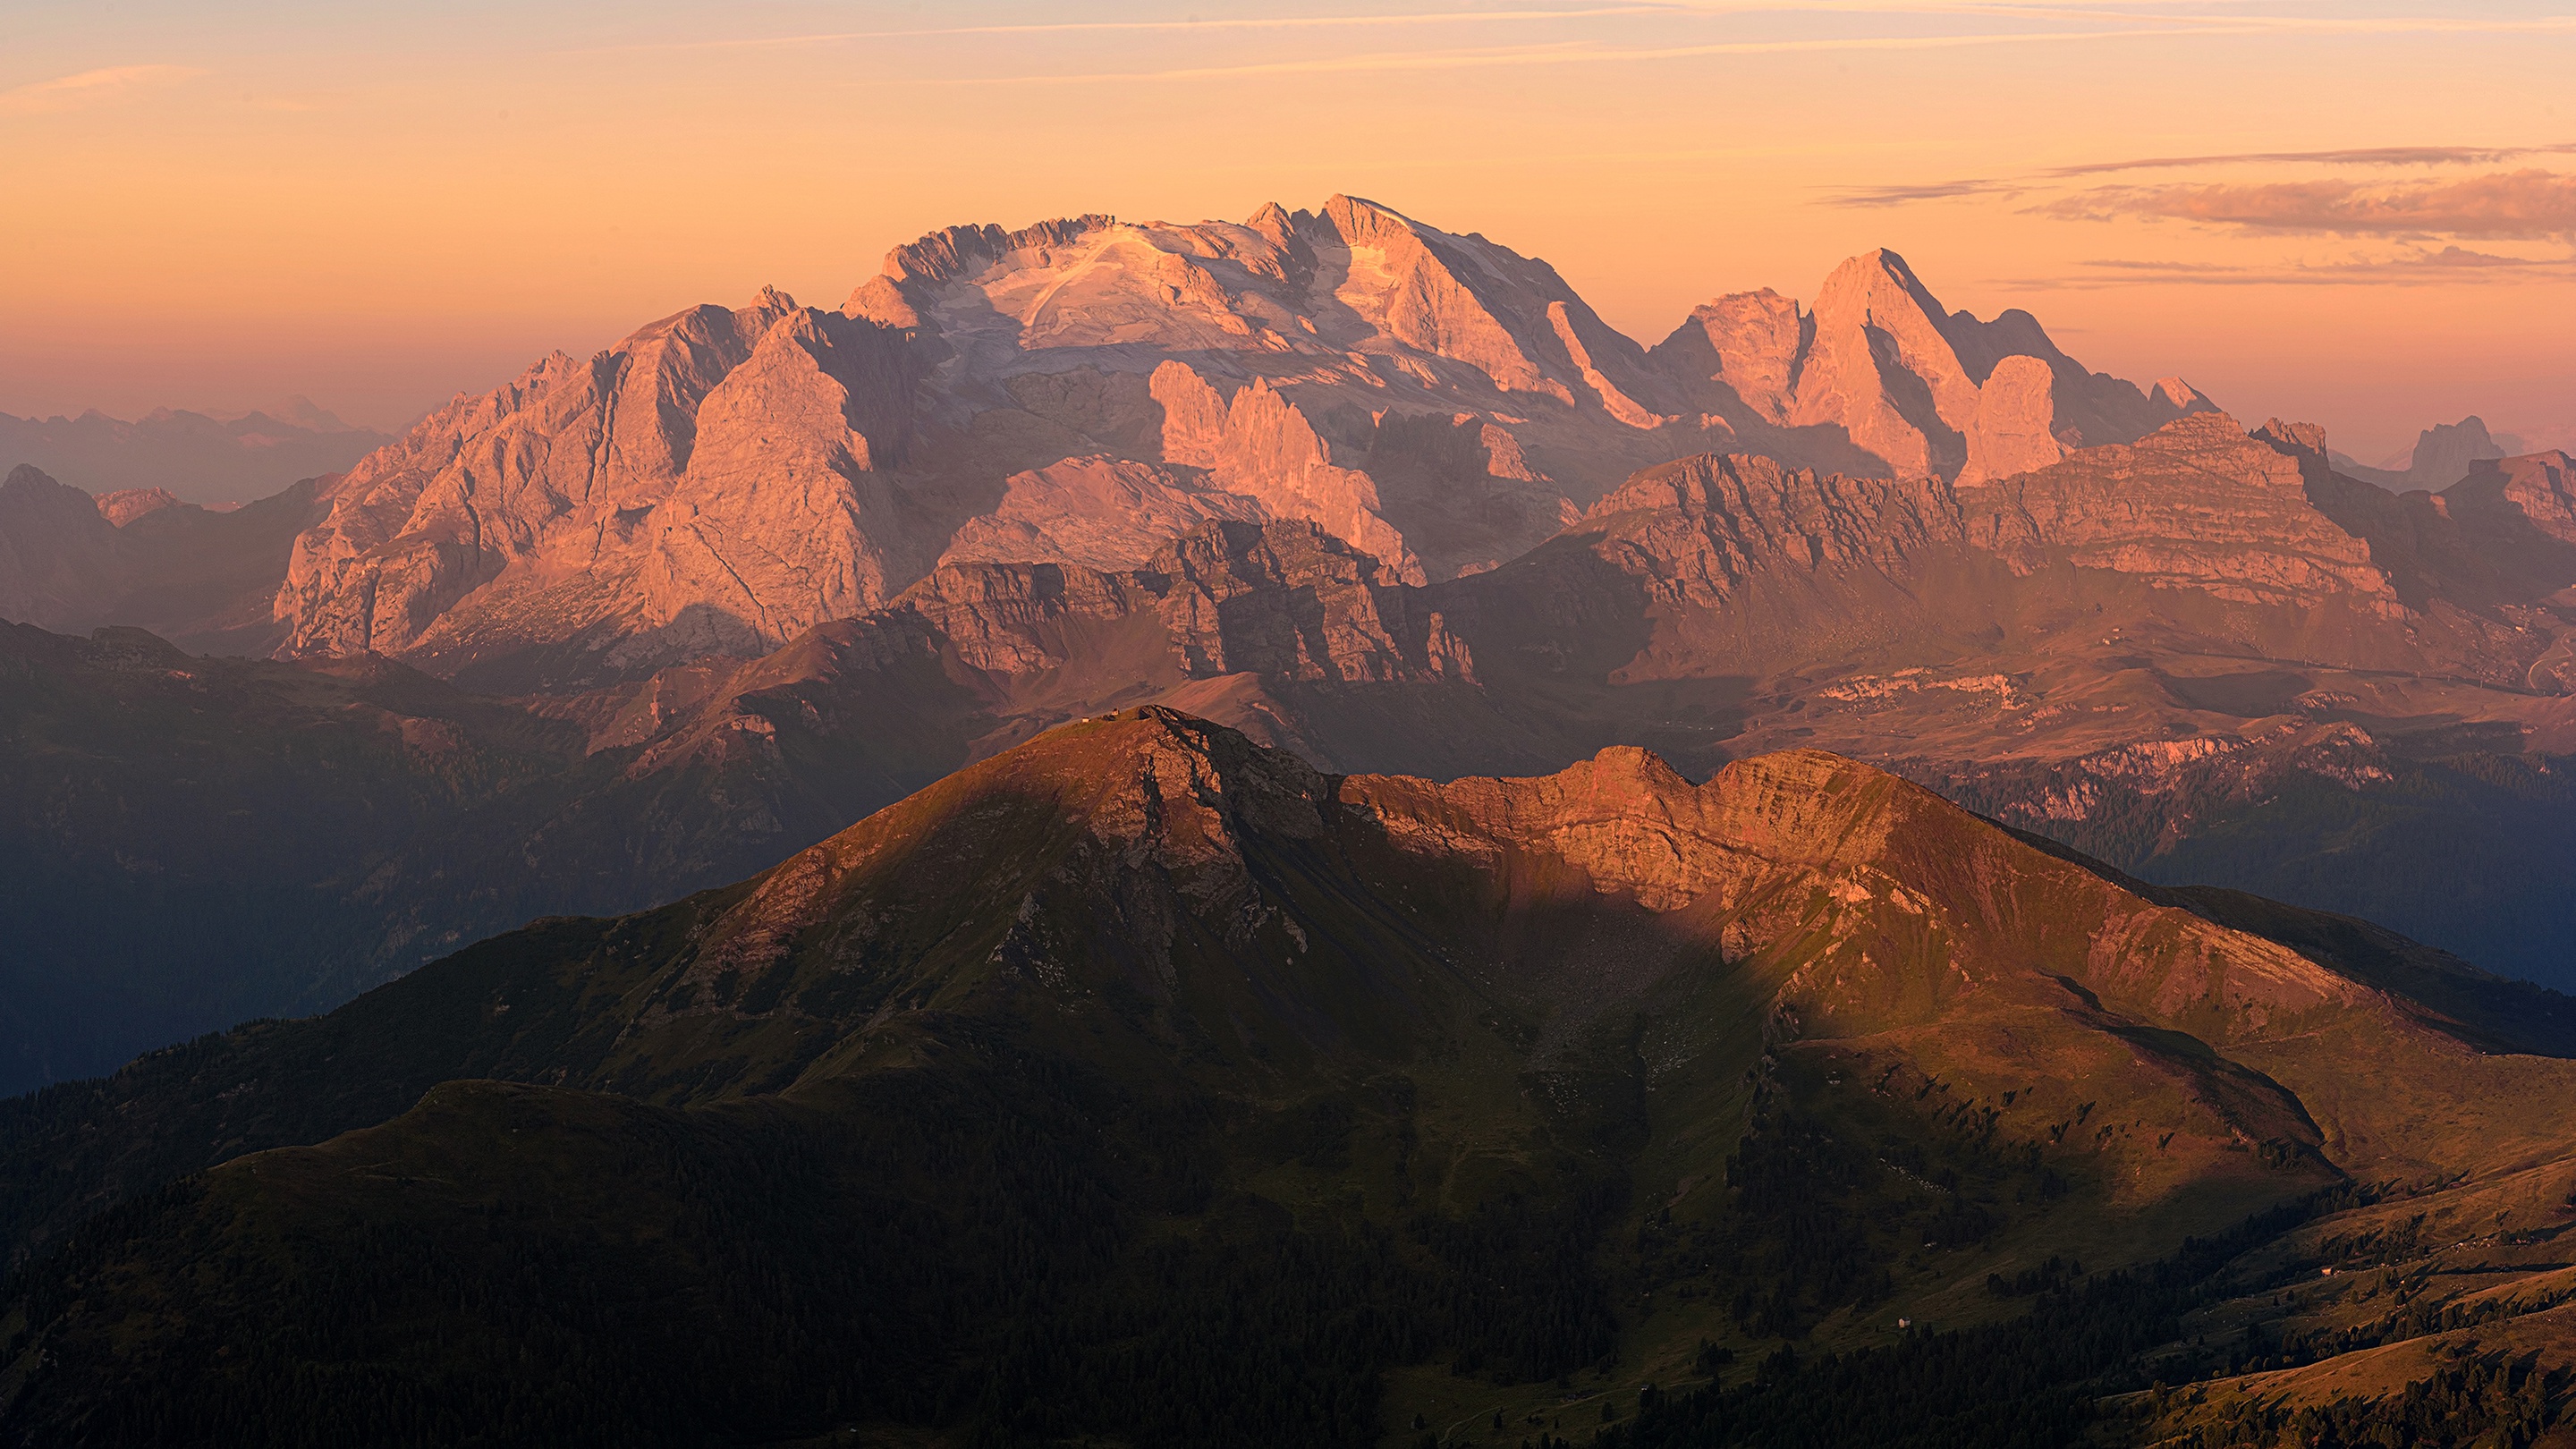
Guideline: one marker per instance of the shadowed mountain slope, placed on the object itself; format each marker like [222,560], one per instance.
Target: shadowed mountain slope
[1004,1101]
[142,559]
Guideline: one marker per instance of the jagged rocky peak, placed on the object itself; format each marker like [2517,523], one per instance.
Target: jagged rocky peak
[711,477]
[1356,293]
[2443,454]
[1909,387]
[1080,391]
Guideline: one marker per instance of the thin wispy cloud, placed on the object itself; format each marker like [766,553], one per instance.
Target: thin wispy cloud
[2353,156]
[1575,53]
[1220,24]
[1595,53]
[1906,194]
[2448,266]
[2528,204]
[91,87]
[2112,19]
[2362,156]
[1610,9]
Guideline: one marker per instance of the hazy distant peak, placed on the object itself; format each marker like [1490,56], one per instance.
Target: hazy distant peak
[2442,456]
[297,410]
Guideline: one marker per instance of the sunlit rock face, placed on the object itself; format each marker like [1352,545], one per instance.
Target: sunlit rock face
[1878,378]
[1084,390]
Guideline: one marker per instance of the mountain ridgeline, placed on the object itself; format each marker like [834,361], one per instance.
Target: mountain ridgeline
[1144,1082]
[188,457]
[1082,390]
[2204,656]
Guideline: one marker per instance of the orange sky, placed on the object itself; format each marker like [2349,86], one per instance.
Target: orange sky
[214,206]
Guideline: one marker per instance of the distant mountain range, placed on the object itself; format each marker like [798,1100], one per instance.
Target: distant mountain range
[191,456]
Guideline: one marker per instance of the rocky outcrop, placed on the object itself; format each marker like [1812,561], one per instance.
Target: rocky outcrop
[1750,344]
[1880,367]
[2540,486]
[1694,531]
[2199,504]
[1884,368]
[1273,452]
[2014,429]
[1296,604]
[1100,512]
[710,484]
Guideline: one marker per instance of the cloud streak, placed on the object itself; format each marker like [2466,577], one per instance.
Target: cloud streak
[2364,156]
[1593,53]
[1609,9]
[2449,266]
[1113,27]
[2354,156]
[2529,204]
[1590,53]
[2110,20]
[90,87]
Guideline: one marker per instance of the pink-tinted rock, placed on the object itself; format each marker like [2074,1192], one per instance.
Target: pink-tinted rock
[2015,427]
[2198,504]
[1100,512]
[128,504]
[1879,378]
[726,478]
